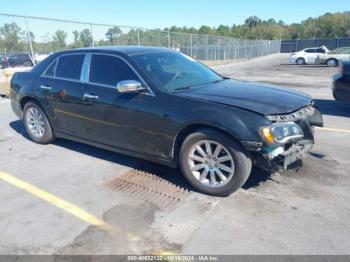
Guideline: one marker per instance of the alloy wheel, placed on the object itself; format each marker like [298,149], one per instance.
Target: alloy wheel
[211,163]
[35,122]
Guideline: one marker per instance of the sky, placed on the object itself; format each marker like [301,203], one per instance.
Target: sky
[156,13]
[160,14]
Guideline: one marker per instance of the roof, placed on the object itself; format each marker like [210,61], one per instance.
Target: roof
[128,50]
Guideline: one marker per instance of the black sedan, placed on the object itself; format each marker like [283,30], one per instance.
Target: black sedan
[341,83]
[164,106]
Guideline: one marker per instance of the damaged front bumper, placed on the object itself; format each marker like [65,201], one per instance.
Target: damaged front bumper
[279,156]
[278,159]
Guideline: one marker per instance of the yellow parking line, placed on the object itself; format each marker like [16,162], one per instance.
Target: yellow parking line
[54,200]
[334,129]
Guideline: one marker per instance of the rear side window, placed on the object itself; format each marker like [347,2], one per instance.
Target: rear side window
[50,71]
[110,70]
[69,66]
[310,51]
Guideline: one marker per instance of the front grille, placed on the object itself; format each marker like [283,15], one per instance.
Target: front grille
[300,114]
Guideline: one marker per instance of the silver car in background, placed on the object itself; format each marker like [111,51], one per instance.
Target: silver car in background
[334,57]
[307,55]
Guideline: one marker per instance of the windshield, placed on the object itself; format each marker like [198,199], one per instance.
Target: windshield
[172,71]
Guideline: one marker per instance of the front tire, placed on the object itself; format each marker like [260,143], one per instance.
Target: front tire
[213,163]
[301,61]
[37,124]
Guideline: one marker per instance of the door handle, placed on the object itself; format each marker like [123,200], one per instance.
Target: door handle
[45,87]
[90,96]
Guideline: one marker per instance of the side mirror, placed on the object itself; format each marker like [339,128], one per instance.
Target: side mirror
[130,86]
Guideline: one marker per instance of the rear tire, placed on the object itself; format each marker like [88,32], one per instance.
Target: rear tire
[218,176]
[37,124]
[332,62]
[301,61]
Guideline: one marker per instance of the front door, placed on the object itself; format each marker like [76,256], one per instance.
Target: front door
[124,120]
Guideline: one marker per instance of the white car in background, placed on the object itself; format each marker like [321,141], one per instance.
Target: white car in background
[334,57]
[307,55]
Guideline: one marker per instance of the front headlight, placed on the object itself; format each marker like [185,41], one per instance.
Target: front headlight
[281,133]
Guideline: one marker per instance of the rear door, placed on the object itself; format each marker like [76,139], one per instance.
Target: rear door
[62,91]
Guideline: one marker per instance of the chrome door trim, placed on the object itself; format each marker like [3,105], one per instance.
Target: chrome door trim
[90,96]
[45,87]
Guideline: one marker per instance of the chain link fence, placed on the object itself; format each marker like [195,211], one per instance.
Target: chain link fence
[26,40]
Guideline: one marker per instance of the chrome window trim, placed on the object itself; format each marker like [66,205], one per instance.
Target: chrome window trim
[85,71]
[150,91]
[64,78]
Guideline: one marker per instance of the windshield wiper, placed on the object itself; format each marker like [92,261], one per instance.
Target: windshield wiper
[222,79]
[190,86]
[183,88]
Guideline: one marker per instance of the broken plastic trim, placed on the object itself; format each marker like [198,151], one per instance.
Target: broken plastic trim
[302,113]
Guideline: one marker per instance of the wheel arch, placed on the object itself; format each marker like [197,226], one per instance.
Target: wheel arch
[301,57]
[181,136]
[333,58]
[26,99]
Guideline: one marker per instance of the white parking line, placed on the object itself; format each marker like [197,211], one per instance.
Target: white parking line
[340,130]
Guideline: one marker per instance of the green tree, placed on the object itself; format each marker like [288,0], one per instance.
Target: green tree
[59,39]
[86,37]
[10,35]
[252,21]
[204,29]
[223,30]
[113,33]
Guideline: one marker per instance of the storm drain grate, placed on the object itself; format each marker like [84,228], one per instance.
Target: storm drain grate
[150,188]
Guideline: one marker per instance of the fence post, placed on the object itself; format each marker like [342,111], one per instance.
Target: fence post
[30,40]
[191,45]
[206,47]
[92,36]
[216,46]
[169,39]
[138,36]
[245,48]
[235,44]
